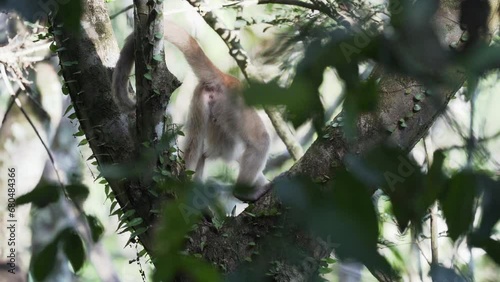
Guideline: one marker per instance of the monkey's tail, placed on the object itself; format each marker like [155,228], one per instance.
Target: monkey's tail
[122,72]
[202,67]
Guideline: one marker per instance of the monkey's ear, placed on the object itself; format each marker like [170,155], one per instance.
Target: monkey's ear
[251,194]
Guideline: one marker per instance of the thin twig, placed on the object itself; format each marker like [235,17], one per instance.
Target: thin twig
[9,107]
[422,252]
[293,147]
[292,3]
[19,105]
[434,236]
[433,216]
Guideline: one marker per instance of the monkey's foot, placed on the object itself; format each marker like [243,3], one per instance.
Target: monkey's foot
[256,193]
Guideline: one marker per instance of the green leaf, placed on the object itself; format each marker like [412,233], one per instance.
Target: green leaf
[128,213]
[199,269]
[489,204]
[77,192]
[122,222]
[324,270]
[112,208]
[351,230]
[125,230]
[402,123]
[458,203]
[176,221]
[96,227]
[138,232]
[74,249]
[396,174]
[83,142]
[65,90]
[107,189]
[43,194]
[68,109]
[435,182]
[419,97]
[351,227]
[142,253]
[53,46]
[301,100]
[43,263]
[134,222]
[330,260]
[157,58]
[118,212]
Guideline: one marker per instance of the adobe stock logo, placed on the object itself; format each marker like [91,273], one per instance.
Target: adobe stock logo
[381,170]
[362,38]
[404,170]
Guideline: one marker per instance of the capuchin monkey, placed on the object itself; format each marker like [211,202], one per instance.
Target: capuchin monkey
[219,124]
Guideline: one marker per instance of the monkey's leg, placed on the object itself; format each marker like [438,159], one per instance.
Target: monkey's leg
[200,167]
[261,180]
[251,164]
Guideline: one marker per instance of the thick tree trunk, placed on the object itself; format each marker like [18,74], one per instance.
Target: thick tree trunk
[87,62]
